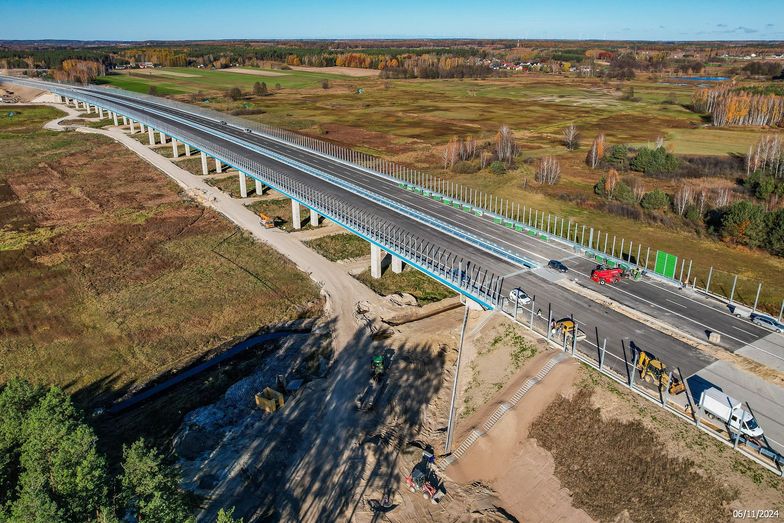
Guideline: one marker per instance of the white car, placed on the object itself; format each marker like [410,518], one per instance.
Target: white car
[518,295]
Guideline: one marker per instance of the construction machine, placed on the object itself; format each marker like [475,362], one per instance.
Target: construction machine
[654,371]
[266,221]
[424,479]
[366,400]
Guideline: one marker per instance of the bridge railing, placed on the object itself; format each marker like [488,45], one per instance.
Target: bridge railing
[463,276]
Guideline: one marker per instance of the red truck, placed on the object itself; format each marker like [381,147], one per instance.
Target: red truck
[604,275]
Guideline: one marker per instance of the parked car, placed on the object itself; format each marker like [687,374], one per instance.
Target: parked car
[518,295]
[557,266]
[767,322]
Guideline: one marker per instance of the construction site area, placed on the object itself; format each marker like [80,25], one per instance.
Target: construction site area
[344,415]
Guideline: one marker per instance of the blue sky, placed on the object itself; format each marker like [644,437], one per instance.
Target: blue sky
[567,19]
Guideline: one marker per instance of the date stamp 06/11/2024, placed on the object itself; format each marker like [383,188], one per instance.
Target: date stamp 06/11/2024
[755,514]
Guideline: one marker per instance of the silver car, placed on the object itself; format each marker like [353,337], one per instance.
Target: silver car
[767,322]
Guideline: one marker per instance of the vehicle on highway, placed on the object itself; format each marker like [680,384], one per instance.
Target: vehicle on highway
[739,311]
[223,122]
[518,295]
[729,410]
[767,322]
[248,130]
[565,327]
[602,274]
[654,371]
[557,266]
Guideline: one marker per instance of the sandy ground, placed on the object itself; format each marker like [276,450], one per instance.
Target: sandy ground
[346,71]
[257,72]
[25,94]
[512,465]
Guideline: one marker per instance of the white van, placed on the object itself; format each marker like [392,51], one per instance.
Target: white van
[730,411]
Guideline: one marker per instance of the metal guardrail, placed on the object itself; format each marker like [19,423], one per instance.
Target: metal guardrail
[596,358]
[463,276]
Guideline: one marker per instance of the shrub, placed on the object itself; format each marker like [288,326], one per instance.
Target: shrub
[774,239]
[624,194]
[463,167]
[655,200]
[654,161]
[624,210]
[617,156]
[744,223]
[498,168]
[234,93]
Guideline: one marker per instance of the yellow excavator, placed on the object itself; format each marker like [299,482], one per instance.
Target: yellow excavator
[653,371]
[266,221]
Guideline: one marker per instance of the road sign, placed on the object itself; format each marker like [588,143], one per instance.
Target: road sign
[665,264]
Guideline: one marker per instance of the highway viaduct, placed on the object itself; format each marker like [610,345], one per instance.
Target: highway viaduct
[469,251]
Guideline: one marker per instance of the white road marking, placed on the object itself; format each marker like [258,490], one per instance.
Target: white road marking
[676,303]
[747,332]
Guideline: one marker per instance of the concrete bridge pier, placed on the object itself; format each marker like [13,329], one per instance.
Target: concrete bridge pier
[314,218]
[163,137]
[187,150]
[133,127]
[397,265]
[125,120]
[218,166]
[141,127]
[259,188]
[204,168]
[114,117]
[376,256]
[243,185]
[296,218]
[175,149]
[100,112]
[151,134]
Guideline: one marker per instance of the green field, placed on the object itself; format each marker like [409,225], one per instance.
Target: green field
[205,80]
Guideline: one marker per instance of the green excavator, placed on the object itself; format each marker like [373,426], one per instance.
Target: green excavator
[366,400]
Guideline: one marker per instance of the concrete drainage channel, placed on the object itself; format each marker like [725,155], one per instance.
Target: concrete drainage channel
[502,409]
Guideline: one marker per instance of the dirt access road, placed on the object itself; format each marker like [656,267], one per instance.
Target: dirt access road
[310,463]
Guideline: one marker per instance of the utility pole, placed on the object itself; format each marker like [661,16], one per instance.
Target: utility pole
[450,427]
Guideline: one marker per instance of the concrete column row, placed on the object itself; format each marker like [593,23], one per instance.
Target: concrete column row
[243,186]
[376,260]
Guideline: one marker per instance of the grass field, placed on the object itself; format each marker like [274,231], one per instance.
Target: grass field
[109,277]
[338,247]
[204,80]
[424,288]
[408,120]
